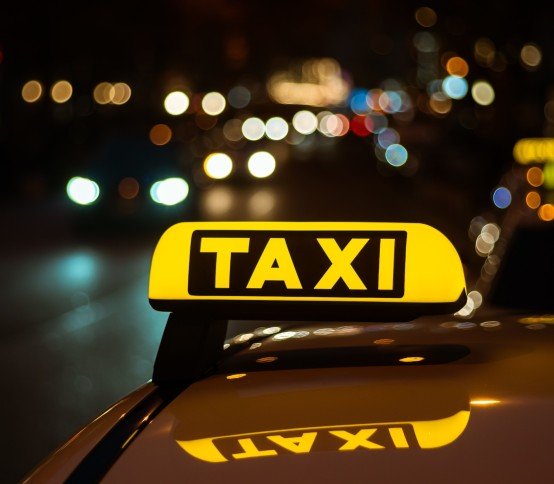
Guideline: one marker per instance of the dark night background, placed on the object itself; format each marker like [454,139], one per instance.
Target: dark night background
[76,331]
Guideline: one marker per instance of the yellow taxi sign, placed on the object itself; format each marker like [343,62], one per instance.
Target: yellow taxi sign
[305,270]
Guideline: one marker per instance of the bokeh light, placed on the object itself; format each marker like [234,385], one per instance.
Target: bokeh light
[484,51]
[456,66]
[388,137]
[548,173]
[102,93]
[535,150]
[305,122]
[425,42]
[217,201]
[160,134]
[106,93]
[425,16]
[261,203]
[535,176]
[434,86]
[120,93]
[128,188]
[531,56]
[502,197]
[31,91]
[239,97]
[493,230]
[396,155]
[372,99]
[440,103]
[376,122]
[455,87]
[82,191]
[484,244]
[176,103]
[261,164]
[276,128]
[359,126]
[390,102]
[546,212]
[334,125]
[358,101]
[482,93]
[218,165]
[232,130]
[533,200]
[61,92]
[170,191]
[253,129]
[475,226]
[213,103]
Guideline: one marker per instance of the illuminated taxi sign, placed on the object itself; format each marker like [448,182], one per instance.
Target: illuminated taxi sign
[534,150]
[278,269]
[425,434]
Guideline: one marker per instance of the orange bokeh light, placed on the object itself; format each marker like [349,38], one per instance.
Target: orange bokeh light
[535,176]
[533,200]
[546,212]
[456,66]
[128,188]
[160,134]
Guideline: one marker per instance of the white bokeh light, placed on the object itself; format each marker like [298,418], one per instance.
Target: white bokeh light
[169,191]
[253,129]
[176,102]
[305,122]
[218,165]
[213,103]
[261,164]
[276,128]
[482,93]
[82,190]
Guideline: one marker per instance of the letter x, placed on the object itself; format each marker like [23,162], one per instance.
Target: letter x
[341,264]
[359,439]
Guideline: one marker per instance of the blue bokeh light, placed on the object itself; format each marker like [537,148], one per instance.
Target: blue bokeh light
[502,197]
[454,87]
[388,137]
[358,101]
[396,155]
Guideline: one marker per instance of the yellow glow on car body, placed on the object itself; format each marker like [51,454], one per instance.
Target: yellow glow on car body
[235,376]
[484,401]
[411,359]
[429,434]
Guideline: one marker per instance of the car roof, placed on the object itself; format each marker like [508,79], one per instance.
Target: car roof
[334,401]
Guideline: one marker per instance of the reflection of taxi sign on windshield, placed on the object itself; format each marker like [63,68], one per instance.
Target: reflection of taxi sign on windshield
[283,269]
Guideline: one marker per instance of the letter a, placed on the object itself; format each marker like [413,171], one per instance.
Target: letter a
[275,252]
[298,445]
